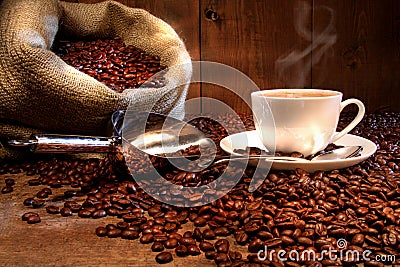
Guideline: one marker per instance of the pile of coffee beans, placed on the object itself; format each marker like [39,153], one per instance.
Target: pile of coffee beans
[112,62]
[354,210]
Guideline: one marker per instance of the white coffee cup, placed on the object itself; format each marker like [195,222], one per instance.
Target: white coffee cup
[301,120]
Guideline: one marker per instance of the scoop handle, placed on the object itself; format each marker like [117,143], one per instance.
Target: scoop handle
[55,143]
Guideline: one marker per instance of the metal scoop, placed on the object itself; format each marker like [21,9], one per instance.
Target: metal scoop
[152,133]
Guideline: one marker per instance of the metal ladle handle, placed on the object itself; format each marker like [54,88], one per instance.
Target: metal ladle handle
[54,143]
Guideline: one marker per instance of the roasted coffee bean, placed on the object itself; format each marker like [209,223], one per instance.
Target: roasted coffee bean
[206,246]
[222,246]
[7,189]
[101,231]
[221,257]
[170,227]
[197,234]
[42,194]
[38,203]
[127,217]
[47,190]
[54,183]
[265,235]
[305,241]
[146,238]
[337,231]
[99,214]
[235,255]
[287,240]
[34,182]
[186,241]
[208,234]
[70,193]
[362,211]
[112,211]
[26,215]
[129,234]
[73,206]
[353,231]
[274,242]
[122,225]
[29,201]
[175,236]
[221,231]
[241,238]
[200,222]
[188,234]
[65,212]
[372,240]
[52,209]
[113,233]
[193,250]
[159,237]
[147,230]
[171,243]
[111,226]
[9,182]
[255,245]
[389,239]
[358,239]
[219,220]
[193,216]
[84,213]
[210,254]
[154,210]
[181,251]
[164,257]
[133,228]
[33,219]
[157,247]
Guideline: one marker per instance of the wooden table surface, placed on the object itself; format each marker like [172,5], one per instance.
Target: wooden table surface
[66,241]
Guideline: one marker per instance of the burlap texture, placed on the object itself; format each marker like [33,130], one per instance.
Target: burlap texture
[41,93]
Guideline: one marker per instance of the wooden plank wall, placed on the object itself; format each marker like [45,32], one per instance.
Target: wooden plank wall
[348,45]
[366,59]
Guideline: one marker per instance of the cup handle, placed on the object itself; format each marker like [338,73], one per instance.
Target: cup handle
[357,119]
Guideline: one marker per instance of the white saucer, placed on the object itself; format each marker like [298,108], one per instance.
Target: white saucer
[251,139]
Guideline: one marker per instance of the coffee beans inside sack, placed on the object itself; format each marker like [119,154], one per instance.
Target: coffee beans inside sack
[112,62]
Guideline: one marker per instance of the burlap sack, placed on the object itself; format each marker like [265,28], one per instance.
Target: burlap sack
[40,93]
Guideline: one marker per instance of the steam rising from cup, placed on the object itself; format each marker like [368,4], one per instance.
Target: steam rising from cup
[320,45]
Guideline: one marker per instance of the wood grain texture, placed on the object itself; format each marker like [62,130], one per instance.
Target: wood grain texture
[71,241]
[251,36]
[256,36]
[366,56]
